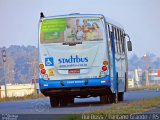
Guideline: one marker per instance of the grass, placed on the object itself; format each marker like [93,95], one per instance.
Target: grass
[27,97]
[149,87]
[132,107]
[121,109]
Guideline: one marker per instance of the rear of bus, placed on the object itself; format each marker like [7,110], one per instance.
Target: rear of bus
[73,57]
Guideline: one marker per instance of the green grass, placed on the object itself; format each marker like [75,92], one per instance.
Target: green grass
[132,107]
[27,97]
[121,109]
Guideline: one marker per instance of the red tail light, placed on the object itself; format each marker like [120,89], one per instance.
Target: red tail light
[104,68]
[43,71]
[107,81]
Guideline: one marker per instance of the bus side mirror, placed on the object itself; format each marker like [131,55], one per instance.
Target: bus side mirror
[129,44]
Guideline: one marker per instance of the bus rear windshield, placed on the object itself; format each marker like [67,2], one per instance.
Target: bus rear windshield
[77,29]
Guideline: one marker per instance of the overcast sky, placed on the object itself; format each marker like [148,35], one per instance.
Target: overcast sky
[140,18]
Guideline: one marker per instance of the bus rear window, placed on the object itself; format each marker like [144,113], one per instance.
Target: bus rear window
[60,30]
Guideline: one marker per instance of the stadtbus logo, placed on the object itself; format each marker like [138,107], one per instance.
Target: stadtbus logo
[72,59]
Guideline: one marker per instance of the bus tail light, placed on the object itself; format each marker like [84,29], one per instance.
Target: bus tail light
[104,68]
[43,71]
[105,63]
[41,66]
[107,81]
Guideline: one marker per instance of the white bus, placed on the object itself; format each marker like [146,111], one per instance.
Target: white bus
[80,56]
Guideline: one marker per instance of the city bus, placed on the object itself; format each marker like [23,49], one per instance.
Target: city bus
[82,56]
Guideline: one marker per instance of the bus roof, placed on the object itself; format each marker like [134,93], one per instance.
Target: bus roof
[108,20]
[115,23]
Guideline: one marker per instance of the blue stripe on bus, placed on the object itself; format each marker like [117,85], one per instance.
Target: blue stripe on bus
[74,83]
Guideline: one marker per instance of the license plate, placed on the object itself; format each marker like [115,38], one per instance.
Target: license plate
[70,71]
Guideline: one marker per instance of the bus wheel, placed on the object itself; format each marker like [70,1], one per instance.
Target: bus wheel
[112,98]
[63,102]
[104,99]
[54,102]
[71,100]
[120,96]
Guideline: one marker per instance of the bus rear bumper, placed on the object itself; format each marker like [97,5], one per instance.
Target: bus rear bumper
[78,92]
[74,83]
[77,87]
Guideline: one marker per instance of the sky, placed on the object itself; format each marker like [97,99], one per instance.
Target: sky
[140,19]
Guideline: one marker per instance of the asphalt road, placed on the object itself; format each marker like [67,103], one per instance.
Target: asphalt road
[42,106]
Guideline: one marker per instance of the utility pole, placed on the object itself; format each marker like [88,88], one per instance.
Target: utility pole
[35,73]
[4,69]
[146,69]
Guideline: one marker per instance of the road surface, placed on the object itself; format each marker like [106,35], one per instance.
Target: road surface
[42,106]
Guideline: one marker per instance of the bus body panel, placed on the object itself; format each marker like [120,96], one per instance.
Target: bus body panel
[120,56]
[80,64]
[87,58]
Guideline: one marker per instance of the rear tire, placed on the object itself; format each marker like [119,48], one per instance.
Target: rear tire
[120,96]
[54,102]
[63,102]
[112,98]
[71,100]
[104,99]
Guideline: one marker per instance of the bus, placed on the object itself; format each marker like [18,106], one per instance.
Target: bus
[81,56]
